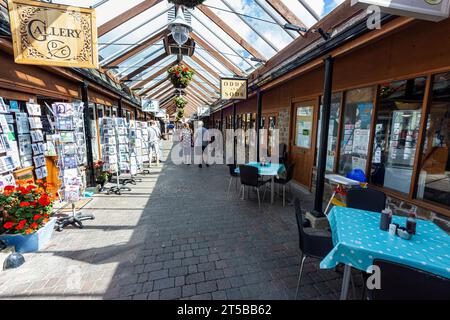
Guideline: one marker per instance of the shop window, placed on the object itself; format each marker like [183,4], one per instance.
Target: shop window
[434,177]
[303,127]
[396,133]
[356,130]
[333,129]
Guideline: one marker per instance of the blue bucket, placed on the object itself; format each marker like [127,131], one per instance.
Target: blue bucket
[31,242]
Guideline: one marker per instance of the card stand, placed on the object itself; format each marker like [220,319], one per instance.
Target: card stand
[135,152]
[7,159]
[120,130]
[38,145]
[68,146]
[127,152]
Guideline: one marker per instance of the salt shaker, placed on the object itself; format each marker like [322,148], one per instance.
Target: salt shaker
[392,229]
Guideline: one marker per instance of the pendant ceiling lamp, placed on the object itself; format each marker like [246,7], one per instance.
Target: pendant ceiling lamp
[179,28]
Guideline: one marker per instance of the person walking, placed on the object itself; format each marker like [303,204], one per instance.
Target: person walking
[201,139]
[186,142]
[154,140]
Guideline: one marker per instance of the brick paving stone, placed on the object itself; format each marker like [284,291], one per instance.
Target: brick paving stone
[214,274]
[160,274]
[207,266]
[195,278]
[189,290]
[163,283]
[170,294]
[207,286]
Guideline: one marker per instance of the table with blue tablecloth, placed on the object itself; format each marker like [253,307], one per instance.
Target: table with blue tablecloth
[271,170]
[358,240]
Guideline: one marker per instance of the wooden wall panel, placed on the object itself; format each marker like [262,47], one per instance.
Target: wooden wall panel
[34,80]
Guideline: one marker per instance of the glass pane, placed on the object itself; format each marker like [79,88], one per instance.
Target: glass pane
[396,133]
[356,131]
[303,127]
[434,177]
[332,130]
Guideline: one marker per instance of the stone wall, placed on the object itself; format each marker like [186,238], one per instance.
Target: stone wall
[283,125]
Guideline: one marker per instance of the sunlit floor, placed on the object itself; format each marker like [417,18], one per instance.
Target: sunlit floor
[176,235]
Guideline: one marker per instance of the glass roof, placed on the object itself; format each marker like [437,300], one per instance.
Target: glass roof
[239,35]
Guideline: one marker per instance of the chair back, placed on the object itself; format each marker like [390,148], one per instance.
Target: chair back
[312,245]
[290,171]
[282,152]
[299,217]
[249,175]
[232,168]
[401,282]
[366,199]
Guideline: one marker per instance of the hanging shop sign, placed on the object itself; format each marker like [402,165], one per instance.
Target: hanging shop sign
[53,34]
[204,111]
[150,105]
[233,89]
[432,10]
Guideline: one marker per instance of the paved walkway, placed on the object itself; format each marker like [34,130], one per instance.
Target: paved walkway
[176,235]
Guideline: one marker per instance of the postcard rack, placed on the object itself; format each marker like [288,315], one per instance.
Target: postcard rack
[71,151]
[115,151]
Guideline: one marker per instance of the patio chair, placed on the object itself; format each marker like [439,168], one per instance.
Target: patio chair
[282,153]
[311,246]
[284,181]
[366,199]
[233,175]
[401,282]
[250,178]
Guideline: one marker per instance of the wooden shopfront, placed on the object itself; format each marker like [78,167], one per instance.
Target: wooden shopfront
[389,116]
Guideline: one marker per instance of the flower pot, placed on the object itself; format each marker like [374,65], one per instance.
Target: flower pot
[31,242]
[179,86]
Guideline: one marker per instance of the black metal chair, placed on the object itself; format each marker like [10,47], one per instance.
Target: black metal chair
[282,153]
[250,178]
[284,181]
[311,246]
[366,199]
[401,282]
[233,175]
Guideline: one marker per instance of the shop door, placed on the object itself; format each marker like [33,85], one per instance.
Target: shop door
[302,141]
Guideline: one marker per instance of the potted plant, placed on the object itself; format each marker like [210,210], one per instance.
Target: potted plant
[187,3]
[25,218]
[180,76]
[180,102]
[101,176]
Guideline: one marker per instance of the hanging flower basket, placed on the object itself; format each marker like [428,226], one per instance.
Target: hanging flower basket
[180,102]
[187,3]
[180,76]
[25,215]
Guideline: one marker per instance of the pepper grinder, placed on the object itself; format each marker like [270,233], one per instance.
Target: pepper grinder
[386,219]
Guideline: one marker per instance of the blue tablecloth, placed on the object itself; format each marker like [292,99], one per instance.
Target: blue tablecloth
[358,240]
[273,169]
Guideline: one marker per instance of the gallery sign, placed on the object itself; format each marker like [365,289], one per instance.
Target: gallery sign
[432,10]
[233,89]
[150,105]
[52,34]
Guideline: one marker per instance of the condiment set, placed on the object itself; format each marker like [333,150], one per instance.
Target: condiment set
[394,228]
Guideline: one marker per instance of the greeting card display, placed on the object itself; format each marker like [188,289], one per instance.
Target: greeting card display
[62,109]
[7,180]
[41,172]
[34,109]
[23,125]
[7,164]
[37,136]
[3,106]
[35,123]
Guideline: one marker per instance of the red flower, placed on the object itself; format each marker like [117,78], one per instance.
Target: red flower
[34,225]
[30,181]
[21,224]
[9,188]
[8,225]
[23,190]
[33,203]
[44,200]
[186,69]
[31,187]
[24,204]
[37,217]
